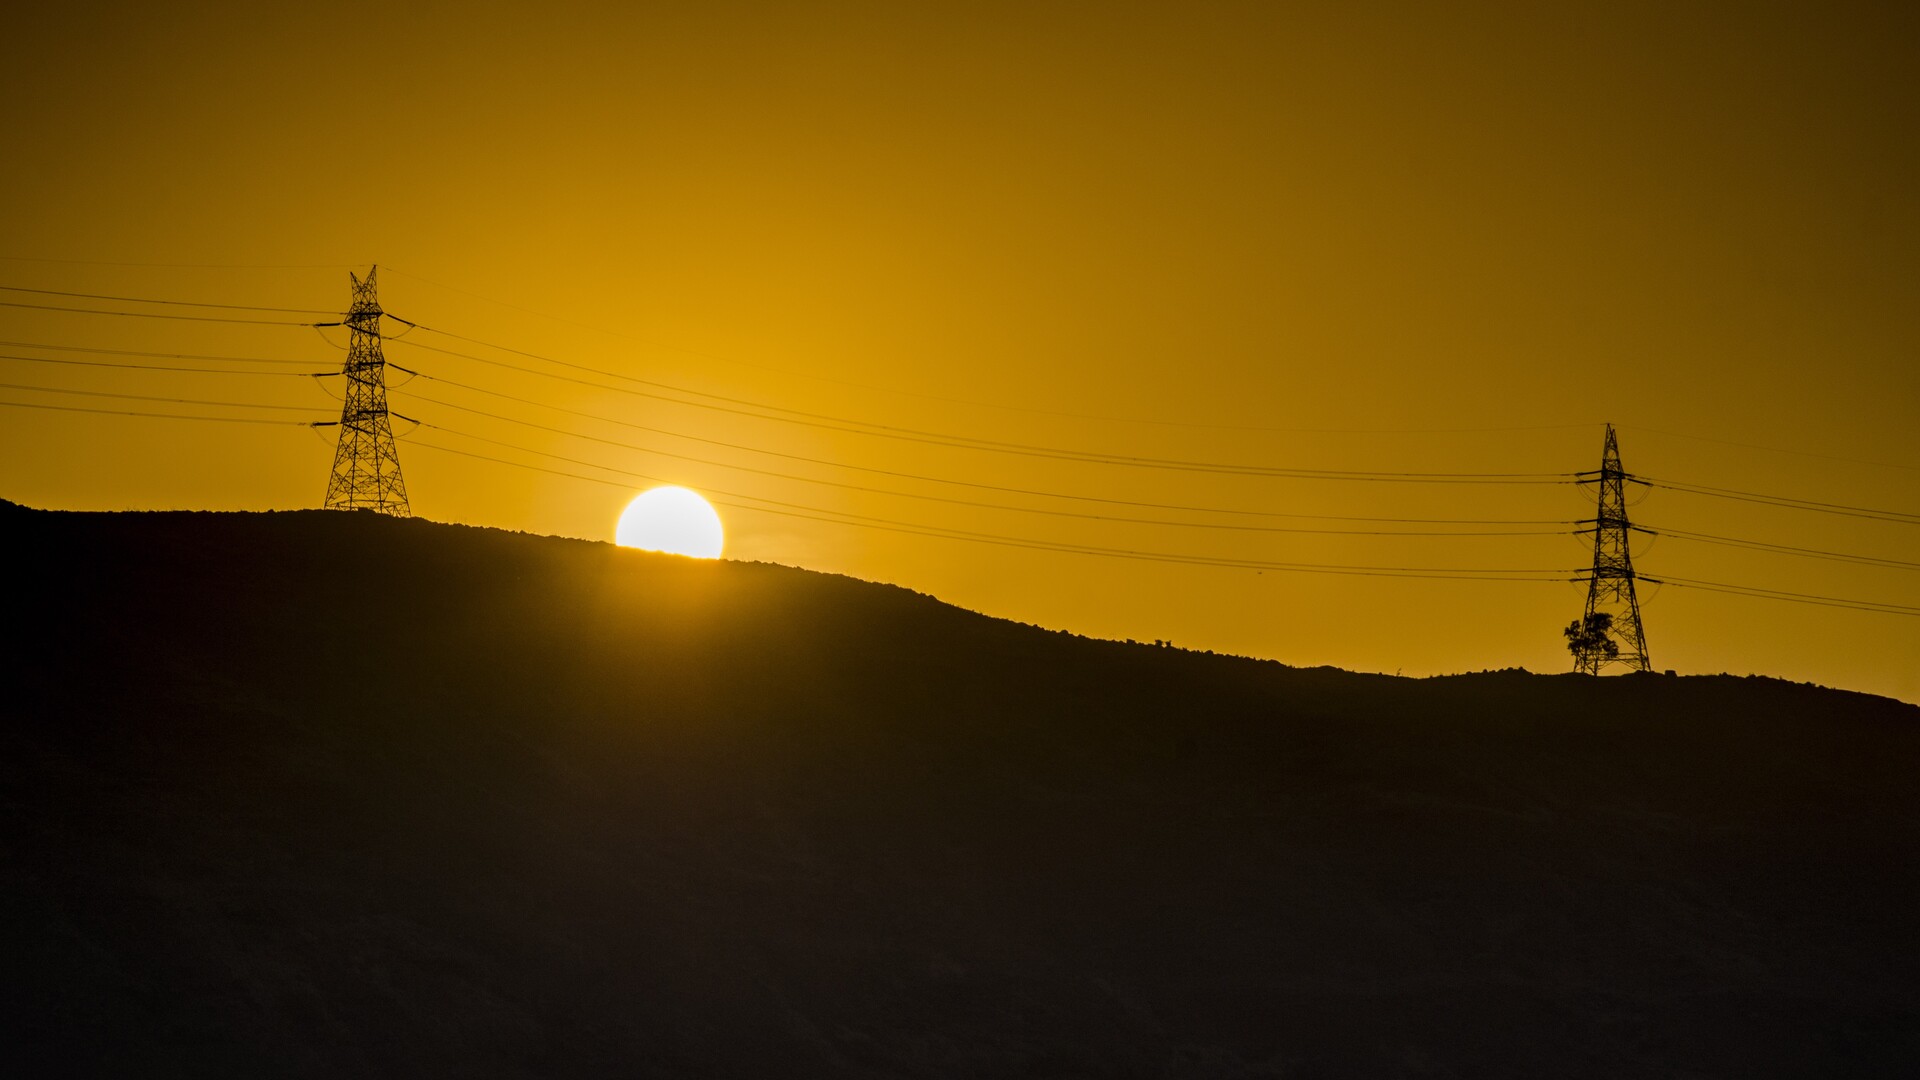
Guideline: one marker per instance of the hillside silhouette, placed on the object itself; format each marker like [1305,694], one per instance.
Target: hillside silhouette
[325,794]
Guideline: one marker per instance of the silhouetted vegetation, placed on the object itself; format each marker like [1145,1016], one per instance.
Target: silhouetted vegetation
[1590,638]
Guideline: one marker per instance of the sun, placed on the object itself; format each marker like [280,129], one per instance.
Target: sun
[674,520]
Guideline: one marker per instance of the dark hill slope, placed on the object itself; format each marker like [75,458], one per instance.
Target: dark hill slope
[324,795]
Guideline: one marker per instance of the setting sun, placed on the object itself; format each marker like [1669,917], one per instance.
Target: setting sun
[674,520]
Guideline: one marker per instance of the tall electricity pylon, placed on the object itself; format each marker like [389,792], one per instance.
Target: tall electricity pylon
[366,464]
[1610,631]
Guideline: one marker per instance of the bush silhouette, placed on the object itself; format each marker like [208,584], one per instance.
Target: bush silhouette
[1590,639]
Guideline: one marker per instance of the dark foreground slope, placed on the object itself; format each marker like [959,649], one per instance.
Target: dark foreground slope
[326,795]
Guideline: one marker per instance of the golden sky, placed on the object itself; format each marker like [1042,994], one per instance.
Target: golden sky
[1419,238]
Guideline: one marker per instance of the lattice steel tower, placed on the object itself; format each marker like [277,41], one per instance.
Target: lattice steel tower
[366,465]
[1610,631]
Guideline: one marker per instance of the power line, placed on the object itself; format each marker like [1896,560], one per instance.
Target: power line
[839,518]
[183,266]
[896,391]
[890,522]
[1698,537]
[1778,594]
[156,355]
[963,442]
[147,397]
[1111,518]
[1783,549]
[154,315]
[1871,560]
[152,415]
[1897,516]
[909,475]
[1038,411]
[758,504]
[934,397]
[162,367]
[811,513]
[175,303]
[1008,447]
[882,389]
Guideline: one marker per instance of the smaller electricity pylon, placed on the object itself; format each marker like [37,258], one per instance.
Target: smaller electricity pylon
[1610,631]
[366,464]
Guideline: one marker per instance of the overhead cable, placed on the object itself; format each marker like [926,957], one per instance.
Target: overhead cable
[1781,594]
[1782,549]
[173,303]
[1897,516]
[1134,503]
[1111,518]
[162,367]
[148,397]
[152,415]
[743,407]
[835,517]
[157,355]
[153,315]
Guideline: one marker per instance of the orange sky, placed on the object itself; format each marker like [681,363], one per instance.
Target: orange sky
[1269,235]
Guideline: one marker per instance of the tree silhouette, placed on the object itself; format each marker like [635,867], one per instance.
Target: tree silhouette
[1590,640]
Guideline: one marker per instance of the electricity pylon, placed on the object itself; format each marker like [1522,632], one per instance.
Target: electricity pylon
[366,464]
[1610,631]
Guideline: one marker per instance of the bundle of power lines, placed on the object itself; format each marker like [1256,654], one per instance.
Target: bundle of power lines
[465,364]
